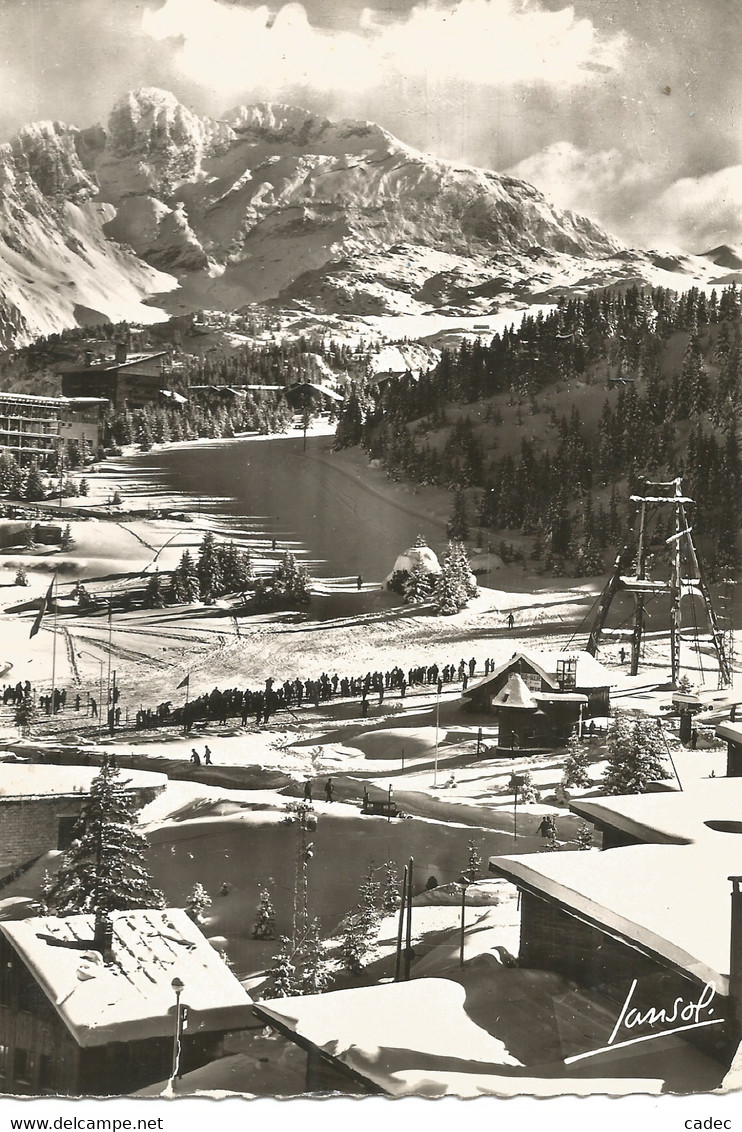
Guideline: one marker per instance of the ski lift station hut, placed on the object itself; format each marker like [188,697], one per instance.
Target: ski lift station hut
[541,698]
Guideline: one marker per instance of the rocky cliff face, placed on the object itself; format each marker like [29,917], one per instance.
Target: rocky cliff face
[269,203]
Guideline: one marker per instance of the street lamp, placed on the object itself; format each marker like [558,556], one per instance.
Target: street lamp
[178,986]
[464,881]
[100,688]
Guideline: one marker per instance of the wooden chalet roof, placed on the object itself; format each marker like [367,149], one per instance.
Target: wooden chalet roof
[130,998]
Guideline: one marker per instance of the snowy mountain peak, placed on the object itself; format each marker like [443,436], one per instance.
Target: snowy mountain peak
[271,203]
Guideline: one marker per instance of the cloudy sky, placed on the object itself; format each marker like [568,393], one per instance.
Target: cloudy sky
[627,110]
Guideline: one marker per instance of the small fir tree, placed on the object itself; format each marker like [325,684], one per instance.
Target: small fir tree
[33,490]
[390,894]
[576,763]
[197,903]
[103,870]
[362,926]
[154,595]
[312,965]
[21,577]
[84,487]
[473,861]
[458,526]
[185,580]
[417,586]
[265,915]
[284,982]
[584,836]
[67,539]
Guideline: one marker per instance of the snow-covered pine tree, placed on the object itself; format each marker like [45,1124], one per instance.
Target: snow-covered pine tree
[460,558]
[33,489]
[584,836]
[21,577]
[154,595]
[265,915]
[635,756]
[197,903]
[185,579]
[362,926]
[103,869]
[576,763]
[449,591]
[390,894]
[417,586]
[208,568]
[312,964]
[284,982]
[474,861]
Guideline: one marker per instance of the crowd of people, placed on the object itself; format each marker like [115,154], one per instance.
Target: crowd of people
[258,706]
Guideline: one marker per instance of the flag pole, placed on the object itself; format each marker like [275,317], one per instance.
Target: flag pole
[110,644]
[54,644]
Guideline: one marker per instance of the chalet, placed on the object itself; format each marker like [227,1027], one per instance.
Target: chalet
[40,806]
[85,1012]
[126,380]
[654,914]
[435,1037]
[36,428]
[539,698]
[311,394]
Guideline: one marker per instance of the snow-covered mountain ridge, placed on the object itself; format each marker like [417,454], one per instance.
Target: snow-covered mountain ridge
[269,203]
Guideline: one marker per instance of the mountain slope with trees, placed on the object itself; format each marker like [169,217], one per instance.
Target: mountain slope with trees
[549,428]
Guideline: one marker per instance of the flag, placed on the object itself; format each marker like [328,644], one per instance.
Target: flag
[44,606]
[184,682]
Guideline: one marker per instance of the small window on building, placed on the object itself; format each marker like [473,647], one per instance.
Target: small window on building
[567,674]
[22,1065]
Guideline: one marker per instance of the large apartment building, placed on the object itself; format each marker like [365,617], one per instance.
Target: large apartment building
[34,428]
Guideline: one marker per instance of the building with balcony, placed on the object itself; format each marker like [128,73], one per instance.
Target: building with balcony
[35,428]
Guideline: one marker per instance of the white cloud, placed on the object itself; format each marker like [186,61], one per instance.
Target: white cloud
[233,49]
[701,212]
[640,201]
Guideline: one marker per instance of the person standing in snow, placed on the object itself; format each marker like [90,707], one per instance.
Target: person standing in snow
[308,790]
[328,790]
[195,757]
[207,756]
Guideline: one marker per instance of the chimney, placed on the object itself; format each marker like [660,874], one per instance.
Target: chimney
[120,352]
[88,357]
[735,956]
[103,937]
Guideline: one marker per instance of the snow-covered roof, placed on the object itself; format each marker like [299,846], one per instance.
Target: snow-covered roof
[672,900]
[34,780]
[590,673]
[420,1038]
[732,732]
[515,694]
[670,817]
[130,998]
[417,557]
[319,387]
